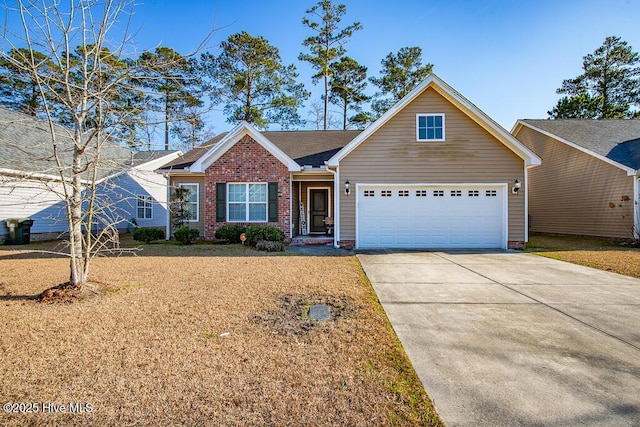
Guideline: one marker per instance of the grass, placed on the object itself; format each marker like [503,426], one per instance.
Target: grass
[177,336]
[602,254]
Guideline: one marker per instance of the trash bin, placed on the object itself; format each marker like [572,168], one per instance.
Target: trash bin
[19,231]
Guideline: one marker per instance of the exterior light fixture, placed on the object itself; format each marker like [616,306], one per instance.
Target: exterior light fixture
[516,187]
[347,190]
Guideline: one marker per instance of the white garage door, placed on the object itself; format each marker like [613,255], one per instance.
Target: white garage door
[431,216]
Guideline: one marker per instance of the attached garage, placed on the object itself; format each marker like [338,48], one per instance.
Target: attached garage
[431,216]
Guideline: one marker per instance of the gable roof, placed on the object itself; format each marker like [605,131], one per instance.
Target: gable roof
[230,139]
[305,147]
[462,103]
[616,139]
[26,148]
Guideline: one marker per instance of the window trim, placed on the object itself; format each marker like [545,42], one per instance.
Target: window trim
[247,203]
[197,185]
[147,200]
[418,116]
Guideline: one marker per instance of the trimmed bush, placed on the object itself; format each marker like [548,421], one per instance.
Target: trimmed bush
[265,245]
[147,234]
[230,233]
[256,233]
[186,235]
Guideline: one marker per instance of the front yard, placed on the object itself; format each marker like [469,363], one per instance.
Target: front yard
[200,335]
[593,252]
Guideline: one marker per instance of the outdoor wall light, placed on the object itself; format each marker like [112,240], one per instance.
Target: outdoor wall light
[516,187]
[347,190]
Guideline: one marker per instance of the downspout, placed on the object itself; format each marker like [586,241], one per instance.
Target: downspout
[168,223]
[526,206]
[336,205]
[636,212]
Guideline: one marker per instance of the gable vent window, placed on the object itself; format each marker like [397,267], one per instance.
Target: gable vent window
[421,193]
[403,193]
[385,193]
[456,193]
[430,127]
[369,193]
[438,193]
[491,193]
[474,193]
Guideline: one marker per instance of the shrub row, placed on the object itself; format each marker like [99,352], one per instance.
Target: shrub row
[147,235]
[253,233]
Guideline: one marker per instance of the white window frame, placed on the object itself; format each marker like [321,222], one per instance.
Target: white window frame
[247,203]
[147,205]
[197,202]
[427,139]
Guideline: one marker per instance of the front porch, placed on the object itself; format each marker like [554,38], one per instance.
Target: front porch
[312,210]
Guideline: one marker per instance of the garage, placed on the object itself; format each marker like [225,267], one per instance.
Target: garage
[431,216]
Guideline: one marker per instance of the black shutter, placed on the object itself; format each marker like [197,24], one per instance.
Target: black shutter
[221,202]
[273,202]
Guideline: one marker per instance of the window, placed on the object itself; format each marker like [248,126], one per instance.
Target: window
[456,193]
[421,193]
[491,193]
[430,127]
[191,201]
[474,193]
[369,193]
[403,193]
[438,193]
[385,193]
[145,207]
[247,202]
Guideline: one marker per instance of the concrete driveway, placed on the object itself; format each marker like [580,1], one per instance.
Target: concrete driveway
[506,338]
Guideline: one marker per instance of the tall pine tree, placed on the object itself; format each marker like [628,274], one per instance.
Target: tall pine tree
[608,88]
[327,44]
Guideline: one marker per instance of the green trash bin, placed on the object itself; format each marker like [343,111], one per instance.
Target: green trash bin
[19,231]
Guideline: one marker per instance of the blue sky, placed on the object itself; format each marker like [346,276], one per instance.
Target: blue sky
[507,57]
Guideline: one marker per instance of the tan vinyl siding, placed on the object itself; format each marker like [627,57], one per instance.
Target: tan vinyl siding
[571,192]
[176,181]
[468,155]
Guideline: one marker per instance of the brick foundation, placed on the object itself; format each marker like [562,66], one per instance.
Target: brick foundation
[247,161]
[347,244]
[515,244]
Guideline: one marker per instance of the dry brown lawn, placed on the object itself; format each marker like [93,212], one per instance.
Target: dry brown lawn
[597,253]
[203,335]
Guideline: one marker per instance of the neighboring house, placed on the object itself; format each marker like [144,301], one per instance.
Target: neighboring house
[588,182]
[433,172]
[129,188]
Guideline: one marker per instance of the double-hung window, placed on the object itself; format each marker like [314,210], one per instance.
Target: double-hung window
[247,202]
[430,127]
[145,207]
[191,201]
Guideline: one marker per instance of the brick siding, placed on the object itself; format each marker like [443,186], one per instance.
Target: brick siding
[247,161]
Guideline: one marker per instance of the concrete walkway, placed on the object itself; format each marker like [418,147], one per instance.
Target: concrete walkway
[507,339]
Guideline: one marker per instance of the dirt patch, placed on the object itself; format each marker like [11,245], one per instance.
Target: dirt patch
[292,313]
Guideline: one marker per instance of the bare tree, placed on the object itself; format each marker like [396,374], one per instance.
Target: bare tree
[76,37]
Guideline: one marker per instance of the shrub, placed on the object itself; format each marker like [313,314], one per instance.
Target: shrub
[230,233]
[147,235]
[255,233]
[270,246]
[186,235]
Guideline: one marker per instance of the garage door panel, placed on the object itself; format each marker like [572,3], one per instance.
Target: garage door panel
[430,216]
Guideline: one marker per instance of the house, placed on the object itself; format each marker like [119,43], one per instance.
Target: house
[128,186]
[433,172]
[588,182]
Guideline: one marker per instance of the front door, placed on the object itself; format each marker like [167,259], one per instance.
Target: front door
[319,209]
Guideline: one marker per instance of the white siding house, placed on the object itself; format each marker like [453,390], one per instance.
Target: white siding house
[129,188]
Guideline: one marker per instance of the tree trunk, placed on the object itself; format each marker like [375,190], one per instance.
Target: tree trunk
[326,101]
[166,122]
[78,276]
